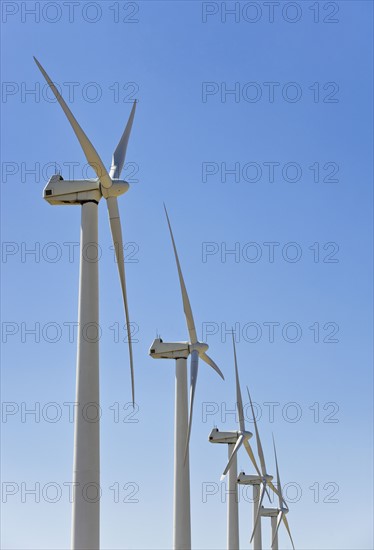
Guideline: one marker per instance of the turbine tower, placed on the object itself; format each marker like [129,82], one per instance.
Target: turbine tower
[87,194]
[233,440]
[272,513]
[183,418]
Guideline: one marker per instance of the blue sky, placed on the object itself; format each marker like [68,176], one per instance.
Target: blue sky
[181,60]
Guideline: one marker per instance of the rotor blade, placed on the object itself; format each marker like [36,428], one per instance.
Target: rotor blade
[253,460]
[89,150]
[280,496]
[285,521]
[273,488]
[258,515]
[119,155]
[186,301]
[279,519]
[193,379]
[239,400]
[252,456]
[115,226]
[211,363]
[259,446]
[238,444]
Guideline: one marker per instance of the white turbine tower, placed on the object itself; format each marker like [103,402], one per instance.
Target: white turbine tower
[183,419]
[87,194]
[271,513]
[233,440]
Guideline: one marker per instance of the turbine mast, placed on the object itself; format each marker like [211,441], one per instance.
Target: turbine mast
[86,470]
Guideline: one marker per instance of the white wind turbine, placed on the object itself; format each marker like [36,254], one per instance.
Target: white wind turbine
[233,440]
[277,515]
[260,483]
[87,193]
[183,419]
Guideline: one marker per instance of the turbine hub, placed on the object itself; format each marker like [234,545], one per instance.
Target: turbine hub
[199,347]
[118,188]
[247,435]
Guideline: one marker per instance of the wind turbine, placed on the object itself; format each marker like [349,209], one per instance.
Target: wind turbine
[278,514]
[234,440]
[183,418]
[259,482]
[87,194]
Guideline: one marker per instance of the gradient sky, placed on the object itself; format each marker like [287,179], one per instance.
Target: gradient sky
[186,132]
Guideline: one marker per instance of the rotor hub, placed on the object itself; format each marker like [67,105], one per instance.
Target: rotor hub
[199,347]
[118,188]
[247,435]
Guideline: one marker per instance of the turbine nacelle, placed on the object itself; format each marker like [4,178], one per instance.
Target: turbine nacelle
[60,191]
[216,436]
[269,512]
[171,350]
[246,479]
[71,192]
[175,350]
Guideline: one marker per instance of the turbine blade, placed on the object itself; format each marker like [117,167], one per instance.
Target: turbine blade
[252,457]
[119,154]
[238,444]
[186,301]
[253,460]
[89,150]
[280,496]
[285,521]
[239,400]
[193,379]
[273,488]
[211,363]
[279,519]
[258,515]
[115,226]
[258,440]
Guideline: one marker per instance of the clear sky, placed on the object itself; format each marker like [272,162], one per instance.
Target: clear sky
[278,93]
